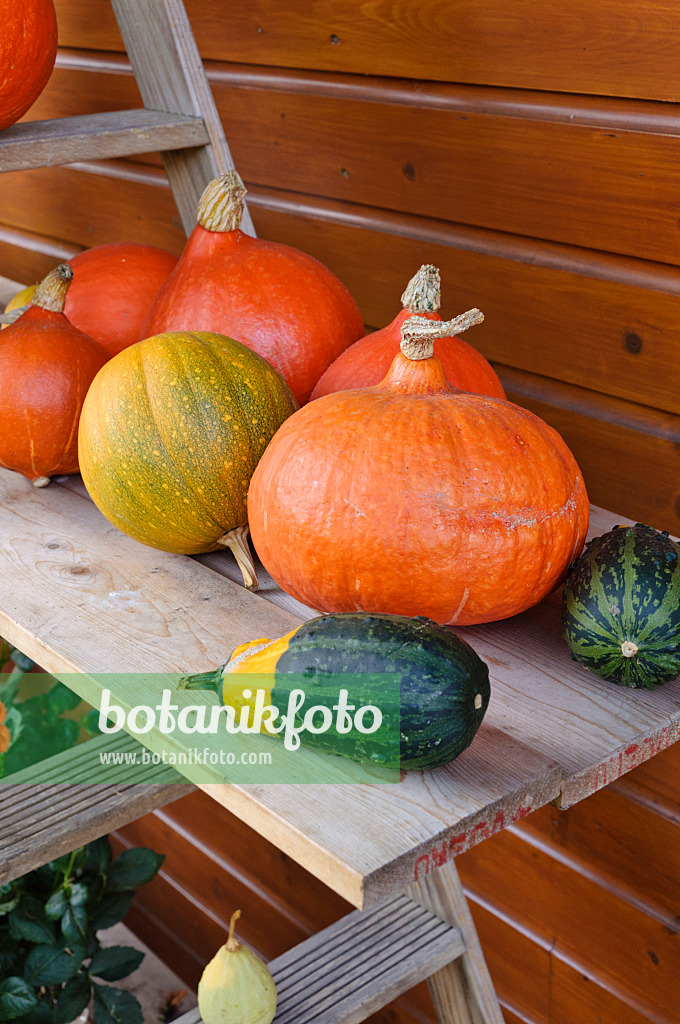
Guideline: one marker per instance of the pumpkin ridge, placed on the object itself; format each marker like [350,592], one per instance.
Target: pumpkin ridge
[171,459]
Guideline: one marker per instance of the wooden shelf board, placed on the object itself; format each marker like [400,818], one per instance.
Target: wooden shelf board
[42,817]
[128,608]
[67,140]
[359,964]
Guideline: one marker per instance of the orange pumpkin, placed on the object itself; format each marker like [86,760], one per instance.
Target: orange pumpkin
[113,288]
[414,498]
[46,367]
[367,361]
[28,48]
[280,302]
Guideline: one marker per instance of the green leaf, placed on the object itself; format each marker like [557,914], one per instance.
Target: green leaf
[16,998]
[56,905]
[114,1006]
[98,854]
[40,1014]
[91,722]
[132,868]
[9,898]
[28,922]
[74,924]
[112,909]
[14,722]
[60,698]
[115,962]
[78,894]
[52,965]
[73,999]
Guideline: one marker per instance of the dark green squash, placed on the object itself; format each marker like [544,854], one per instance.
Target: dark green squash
[442,693]
[621,607]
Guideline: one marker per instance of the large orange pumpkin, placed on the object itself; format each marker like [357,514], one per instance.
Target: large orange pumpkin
[414,498]
[46,367]
[367,361]
[28,48]
[278,301]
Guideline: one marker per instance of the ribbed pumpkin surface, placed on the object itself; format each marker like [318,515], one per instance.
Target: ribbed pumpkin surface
[623,595]
[28,47]
[170,434]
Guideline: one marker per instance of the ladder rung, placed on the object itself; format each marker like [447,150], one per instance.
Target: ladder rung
[66,140]
[389,954]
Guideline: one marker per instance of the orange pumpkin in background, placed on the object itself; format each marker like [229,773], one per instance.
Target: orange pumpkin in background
[414,498]
[367,361]
[28,48]
[277,300]
[46,368]
[113,288]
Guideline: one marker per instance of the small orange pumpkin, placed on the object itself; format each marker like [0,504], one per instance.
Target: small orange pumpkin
[414,498]
[46,367]
[367,361]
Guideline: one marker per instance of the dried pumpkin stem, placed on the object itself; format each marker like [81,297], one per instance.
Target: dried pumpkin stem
[220,208]
[51,292]
[40,481]
[423,292]
[629,649]
[418,334]
[237,542]
[232,944]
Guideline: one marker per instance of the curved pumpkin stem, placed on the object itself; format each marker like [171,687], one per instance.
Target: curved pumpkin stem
[418,334]
[237,542]
[423,293]
[232,944]
[51,292]
[220,208]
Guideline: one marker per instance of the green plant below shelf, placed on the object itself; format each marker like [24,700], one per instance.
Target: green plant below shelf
[34,727]
[52,963]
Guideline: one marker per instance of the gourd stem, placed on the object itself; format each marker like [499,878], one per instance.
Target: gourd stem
[220,208]
[40,481]
[51,292]
[237,542]
[232,943]
[203,681]
[418,333]
[423,292]
[629,649]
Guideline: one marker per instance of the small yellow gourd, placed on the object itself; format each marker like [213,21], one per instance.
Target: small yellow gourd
[236,986]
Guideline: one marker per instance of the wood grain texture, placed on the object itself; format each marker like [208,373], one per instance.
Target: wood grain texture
[629,953]
[43,817]
[601,186]
[610,49]
[170,76]
[96,137]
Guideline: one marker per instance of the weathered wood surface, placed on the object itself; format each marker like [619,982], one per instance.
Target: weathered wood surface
[551,730]
[42,816]
[614,49]
[354,967]
[97,137]
[169,72]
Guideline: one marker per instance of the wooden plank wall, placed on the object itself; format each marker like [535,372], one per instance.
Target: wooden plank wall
[532,152]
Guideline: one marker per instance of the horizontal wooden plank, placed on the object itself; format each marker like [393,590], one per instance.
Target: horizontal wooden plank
[629,953]
[611,50]
[622,845]
[63,140]
[560,312]
[656,785]
[603,186]
[43,817]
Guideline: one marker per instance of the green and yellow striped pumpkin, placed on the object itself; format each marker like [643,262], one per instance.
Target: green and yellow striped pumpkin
[621,607]
[170,434]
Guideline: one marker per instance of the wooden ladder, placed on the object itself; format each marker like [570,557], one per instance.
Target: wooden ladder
[356,966]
